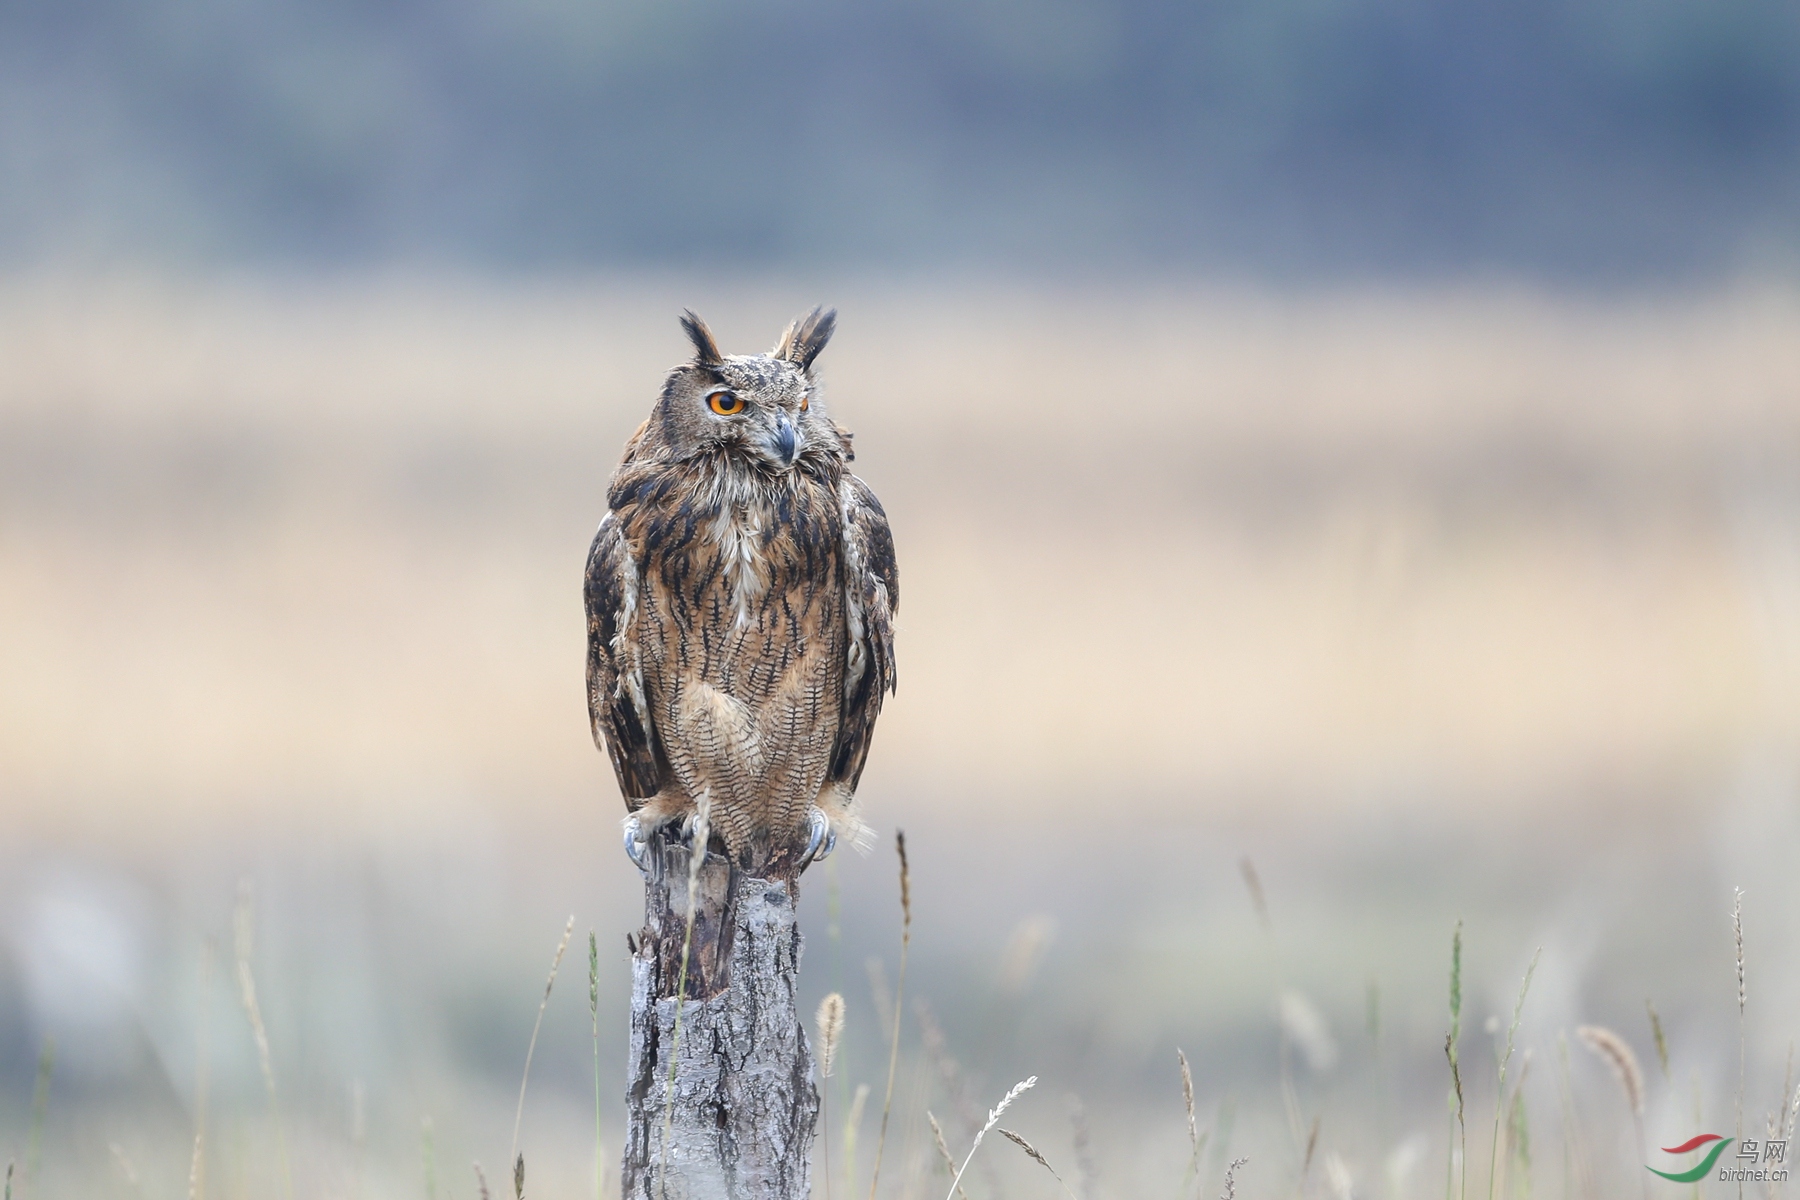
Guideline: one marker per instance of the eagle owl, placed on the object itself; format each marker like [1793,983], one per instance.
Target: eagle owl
[740,601]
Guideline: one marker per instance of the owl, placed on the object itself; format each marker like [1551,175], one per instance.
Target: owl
[740,595]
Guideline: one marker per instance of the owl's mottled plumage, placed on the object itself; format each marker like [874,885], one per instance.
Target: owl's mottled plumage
[740,600]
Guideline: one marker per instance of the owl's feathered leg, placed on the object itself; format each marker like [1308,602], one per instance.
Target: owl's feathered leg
[667,807]
[651,815]
[837,804]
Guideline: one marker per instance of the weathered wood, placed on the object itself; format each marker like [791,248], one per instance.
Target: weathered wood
[741,1127]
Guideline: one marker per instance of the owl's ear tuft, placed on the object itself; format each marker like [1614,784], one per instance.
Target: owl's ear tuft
[804,337]
[706,350]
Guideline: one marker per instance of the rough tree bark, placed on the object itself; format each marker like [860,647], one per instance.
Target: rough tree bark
[741,1126]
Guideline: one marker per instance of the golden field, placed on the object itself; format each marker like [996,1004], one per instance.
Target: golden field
[263,542]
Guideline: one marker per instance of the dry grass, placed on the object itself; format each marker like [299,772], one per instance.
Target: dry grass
[887,1102]
[1338,1172]
[1037,1157]
[531,1049]
[830,1022]
[944,1155]
[1618,1056]
[244,927]
[1737,937]
[1506,1055]
[993,1120]
[1187,1102]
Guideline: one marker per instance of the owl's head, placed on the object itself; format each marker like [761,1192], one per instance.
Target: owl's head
[762,410]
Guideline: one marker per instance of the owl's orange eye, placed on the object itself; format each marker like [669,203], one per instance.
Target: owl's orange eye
[726,404]
[804,402]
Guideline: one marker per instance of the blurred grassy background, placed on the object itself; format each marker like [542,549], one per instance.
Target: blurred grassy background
[1358,437]
[1433,601]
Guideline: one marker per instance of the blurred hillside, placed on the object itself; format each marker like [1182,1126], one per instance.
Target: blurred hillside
[1609,139]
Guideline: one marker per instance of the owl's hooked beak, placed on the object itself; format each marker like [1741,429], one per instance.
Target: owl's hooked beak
[783,446]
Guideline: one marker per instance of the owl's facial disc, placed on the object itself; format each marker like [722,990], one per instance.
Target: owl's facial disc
[759,406]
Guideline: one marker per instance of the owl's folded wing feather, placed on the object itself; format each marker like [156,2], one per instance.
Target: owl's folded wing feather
[872,580]
[620,721]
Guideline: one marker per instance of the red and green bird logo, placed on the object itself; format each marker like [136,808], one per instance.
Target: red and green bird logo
[1706,1164]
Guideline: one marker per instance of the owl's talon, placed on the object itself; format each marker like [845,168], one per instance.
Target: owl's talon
[821,840]
[635,845]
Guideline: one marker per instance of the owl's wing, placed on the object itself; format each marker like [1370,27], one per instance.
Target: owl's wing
[872,580]
[616,711]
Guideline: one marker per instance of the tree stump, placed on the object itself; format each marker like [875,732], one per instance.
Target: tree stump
[741,1126]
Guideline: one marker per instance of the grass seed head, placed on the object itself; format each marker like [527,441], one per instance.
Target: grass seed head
[1617,1054]
[905,882]
[1230,1192]
[1456,979]
[830,1019]
[1039,1159]
[1187,1098]
[1656,1031]
[937,1135]
[1737,934]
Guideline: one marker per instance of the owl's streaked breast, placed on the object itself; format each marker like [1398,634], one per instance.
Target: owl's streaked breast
[743,635]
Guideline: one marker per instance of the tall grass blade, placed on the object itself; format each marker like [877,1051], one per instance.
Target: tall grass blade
[1618,1055]
[40,1110]
[1187,1099]
[519,1112]
[1312,1144]
[1737,936]
[899,993]
[1505,1060]
[830,1019]
[594,1013]
[937,1136]
[245,935]
[1018,1090]
[851,1125]
[202,1072]
[1518,1137]
[1459,1150]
